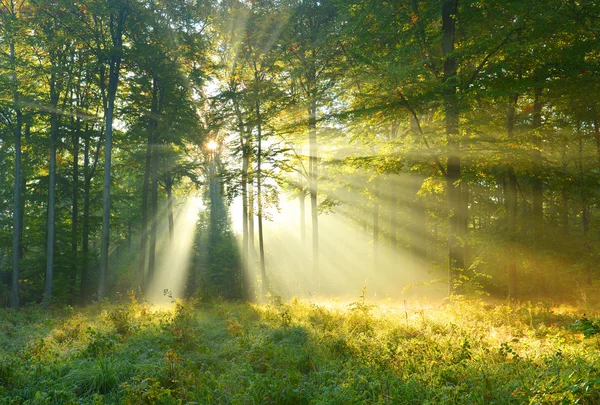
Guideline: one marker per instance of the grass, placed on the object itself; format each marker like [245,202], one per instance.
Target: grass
[296,352]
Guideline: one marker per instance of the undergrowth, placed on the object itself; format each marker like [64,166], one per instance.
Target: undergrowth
[297,352]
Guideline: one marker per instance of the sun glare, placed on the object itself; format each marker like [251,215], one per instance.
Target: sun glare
[212,145]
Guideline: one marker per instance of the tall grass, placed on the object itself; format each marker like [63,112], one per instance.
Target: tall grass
[298,352]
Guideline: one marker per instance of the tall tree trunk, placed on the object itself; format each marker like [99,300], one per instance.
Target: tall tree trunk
[75,213]
[394,211]
[23,191]
[313,176]
[597,134]
[251,243]
[116,28]
[538,185]
[375,225]
[394,194]
[564,192]
[585,220]
[464,220]
[54,127]
[301,200]
[511,201]
[85,245]
[455,248]
[17,190]
[169,190]
[153,180]
[246,145]
[144,224]
[88,173]
[245,269]
[418,230]
[261,246]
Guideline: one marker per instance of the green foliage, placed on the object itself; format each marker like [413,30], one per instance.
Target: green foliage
[587,326]
[465,352]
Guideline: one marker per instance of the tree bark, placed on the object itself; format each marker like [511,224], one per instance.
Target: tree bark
[538,185]
[144,224]
[54,127]
[585,220]
[23,191]
[453,176]
[245,268]
[251,243]
[116,28]
[301,201]
[169,190]
[313,176]
[75,213]
[393,179]
[17,214]
[597,134]
[261,246]
[511,201]
[375,225]
[153,180]
[565,192]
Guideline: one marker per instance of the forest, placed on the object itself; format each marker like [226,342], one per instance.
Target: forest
[299,201]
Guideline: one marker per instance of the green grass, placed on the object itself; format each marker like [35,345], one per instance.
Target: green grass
[461,352]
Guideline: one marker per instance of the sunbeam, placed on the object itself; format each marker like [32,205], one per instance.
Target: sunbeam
[173,256]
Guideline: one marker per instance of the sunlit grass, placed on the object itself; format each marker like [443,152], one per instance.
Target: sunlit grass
[456,352]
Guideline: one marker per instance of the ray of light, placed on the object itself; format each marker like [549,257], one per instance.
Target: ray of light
[173,256]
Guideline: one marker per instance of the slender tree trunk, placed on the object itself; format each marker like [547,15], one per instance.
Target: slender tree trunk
[246,145]
[54,127]
[154,181]
[85,246]
[511,201]
[565,192]
[394,194]
[23,189]
[75,213]
[261,246]
[313,175]
[585,220]
[88,173]
[376,225]
[418,230]
[169,190]
[116,25]
[301,200]
[16,217]
[538,214]
[465,195]
[245,272]
[597,134]
[455,248]
[17,190]
[144,225]
[251,243]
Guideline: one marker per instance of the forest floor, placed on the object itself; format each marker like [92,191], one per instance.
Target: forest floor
[296,352]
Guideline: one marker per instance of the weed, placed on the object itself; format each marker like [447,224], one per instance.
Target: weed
[467,352]
[587,326]
[121,320]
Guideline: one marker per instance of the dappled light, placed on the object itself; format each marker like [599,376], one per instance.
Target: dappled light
[299,202]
